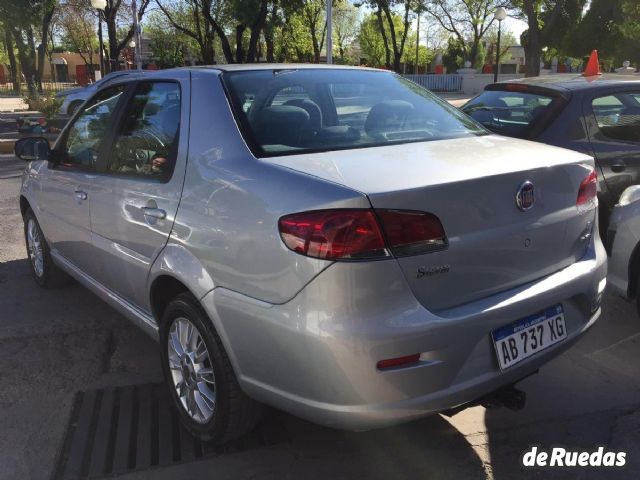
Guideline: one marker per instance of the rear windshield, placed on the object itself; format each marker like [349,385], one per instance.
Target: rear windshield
[295,111]
[507,113]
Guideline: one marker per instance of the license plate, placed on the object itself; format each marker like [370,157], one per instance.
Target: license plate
[529,335]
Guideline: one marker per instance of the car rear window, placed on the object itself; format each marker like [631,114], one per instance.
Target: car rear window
[506,112]
[309,110]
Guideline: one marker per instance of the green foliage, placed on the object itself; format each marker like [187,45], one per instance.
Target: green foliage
[610,26]
[48,104]
[168,45]
[454,55]
[372,43]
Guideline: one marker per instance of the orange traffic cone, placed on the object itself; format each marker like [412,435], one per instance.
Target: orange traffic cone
[593,65]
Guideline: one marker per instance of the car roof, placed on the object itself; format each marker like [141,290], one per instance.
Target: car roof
[236,67]
[574,82]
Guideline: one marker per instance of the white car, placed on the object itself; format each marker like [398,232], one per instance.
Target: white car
[74,97]
[623,245]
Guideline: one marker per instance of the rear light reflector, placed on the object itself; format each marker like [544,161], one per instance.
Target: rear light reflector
[334,234]
[411,232]
[398,362]
[588,190]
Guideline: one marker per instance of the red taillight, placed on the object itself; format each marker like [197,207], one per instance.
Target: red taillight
[398,361]
[588,189]
[333,234]
[411,233]
[356,234]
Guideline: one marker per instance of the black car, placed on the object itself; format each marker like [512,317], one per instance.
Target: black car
[599,116]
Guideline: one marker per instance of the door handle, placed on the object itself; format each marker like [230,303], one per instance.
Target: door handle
[80,195]
[151,212]
[618,167]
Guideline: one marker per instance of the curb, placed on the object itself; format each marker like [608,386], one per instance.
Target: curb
[6,145]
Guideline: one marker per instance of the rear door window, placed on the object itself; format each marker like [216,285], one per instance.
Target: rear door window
[506,112]
[618,116]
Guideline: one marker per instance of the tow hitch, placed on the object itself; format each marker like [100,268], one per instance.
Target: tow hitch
[509,397]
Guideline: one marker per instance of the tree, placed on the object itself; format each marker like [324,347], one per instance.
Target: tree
[188,18]
[314,17]
[77,24]
[28,24]
[612,27]
[374,41]
[118,16]
[394,33]
[548,22]
[345,26]
[468,21]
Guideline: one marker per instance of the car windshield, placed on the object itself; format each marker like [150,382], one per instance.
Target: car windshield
[294,111]
[506,112]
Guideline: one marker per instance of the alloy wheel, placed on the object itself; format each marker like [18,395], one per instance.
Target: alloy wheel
[191,370]
[34,242]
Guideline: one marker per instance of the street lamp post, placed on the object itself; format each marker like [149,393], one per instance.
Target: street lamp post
[100,5]
[499,15]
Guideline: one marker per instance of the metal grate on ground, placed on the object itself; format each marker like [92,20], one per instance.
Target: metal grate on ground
[124,429]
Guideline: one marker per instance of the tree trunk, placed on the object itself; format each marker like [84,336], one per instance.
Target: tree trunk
[114,53]
[27,61]
[387,50]
[256,28]
[533,44]
[239,49]
[8,43]
[42,48]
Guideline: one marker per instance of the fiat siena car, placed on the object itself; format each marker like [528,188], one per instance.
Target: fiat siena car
[335,242]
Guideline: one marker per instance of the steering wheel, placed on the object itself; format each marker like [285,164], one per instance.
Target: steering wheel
[137,149]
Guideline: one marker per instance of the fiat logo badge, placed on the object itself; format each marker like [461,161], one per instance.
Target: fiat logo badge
[525,196]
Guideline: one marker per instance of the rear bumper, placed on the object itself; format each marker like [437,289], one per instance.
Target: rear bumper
[316,355]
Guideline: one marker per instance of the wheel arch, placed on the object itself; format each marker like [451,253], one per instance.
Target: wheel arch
[24,205]
[176,270]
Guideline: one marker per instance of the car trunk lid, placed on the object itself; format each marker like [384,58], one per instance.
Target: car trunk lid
[471,186]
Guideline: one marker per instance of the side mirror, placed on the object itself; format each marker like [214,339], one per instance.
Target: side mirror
[32,148]
[630,195]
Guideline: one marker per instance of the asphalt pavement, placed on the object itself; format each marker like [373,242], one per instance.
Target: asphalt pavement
[55,343]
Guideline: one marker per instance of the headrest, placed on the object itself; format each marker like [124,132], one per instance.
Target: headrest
[281,125]
[387,116]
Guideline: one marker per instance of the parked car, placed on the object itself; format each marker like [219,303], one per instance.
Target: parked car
[599,116]
[623,245]
[74,97]
[335,242]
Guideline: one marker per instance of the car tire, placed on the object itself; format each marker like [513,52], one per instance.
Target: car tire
[73,106]
[223,412]
[45,272]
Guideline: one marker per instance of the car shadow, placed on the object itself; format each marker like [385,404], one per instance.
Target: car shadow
[579,401]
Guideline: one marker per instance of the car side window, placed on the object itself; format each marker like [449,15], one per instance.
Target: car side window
[147,137]
[618,116]
[84,138]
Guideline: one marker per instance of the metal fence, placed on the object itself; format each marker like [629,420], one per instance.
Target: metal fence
[6,89]
[438,83]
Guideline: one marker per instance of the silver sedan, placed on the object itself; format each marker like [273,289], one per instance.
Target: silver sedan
[335,242]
